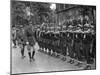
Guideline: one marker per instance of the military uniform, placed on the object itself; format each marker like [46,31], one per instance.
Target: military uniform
[86,46]
[21,38]
[30,41]
[93,54]
[77,45]
[70,46]
[14,36]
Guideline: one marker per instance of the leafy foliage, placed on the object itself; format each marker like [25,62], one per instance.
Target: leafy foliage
[19,12]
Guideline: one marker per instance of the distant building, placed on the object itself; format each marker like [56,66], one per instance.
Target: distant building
[69,12]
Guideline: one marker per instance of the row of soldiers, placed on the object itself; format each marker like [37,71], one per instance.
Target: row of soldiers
[79,46]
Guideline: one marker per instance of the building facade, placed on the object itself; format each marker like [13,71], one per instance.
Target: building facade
[66,12]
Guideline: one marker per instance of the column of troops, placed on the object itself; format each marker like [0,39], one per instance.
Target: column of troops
[77,45]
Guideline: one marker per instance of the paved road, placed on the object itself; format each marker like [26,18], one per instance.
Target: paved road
[42,63]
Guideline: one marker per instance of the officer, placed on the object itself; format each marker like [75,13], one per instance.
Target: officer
[30,42]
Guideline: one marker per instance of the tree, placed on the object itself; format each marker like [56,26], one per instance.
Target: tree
[18,13]
[25,12]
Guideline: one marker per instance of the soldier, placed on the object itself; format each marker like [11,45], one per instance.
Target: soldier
[30,41]
[93,53]
[50,46]
[75,22]
[86,46]
[14,37]
[77,42]
[41,40]
[21,40]
[52,42]
[63,45]
[55,41]
[77,48]
[70,47]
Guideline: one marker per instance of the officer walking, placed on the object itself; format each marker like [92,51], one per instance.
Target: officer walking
[30,42]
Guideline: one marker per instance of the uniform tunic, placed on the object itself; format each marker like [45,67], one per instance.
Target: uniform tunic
[21,37]
[30,36]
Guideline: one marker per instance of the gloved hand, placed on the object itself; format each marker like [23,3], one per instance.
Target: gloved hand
[27,43]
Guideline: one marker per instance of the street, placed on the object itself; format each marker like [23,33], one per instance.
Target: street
[42,63]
